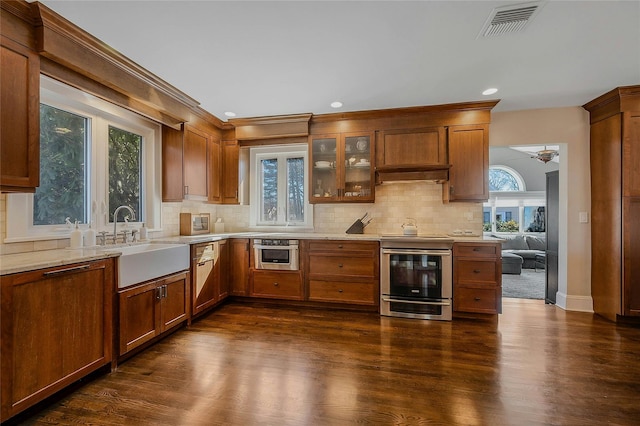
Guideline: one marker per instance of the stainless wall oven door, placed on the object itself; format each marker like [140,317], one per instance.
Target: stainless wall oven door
[276,254]
[416,283]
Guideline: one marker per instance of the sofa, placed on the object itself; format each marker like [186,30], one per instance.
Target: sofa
[523,251]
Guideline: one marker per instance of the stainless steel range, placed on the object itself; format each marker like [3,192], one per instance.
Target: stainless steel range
[416,276]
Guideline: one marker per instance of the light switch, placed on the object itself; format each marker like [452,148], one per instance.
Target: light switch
[583,217]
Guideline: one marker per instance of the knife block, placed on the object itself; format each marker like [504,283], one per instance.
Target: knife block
[356,228]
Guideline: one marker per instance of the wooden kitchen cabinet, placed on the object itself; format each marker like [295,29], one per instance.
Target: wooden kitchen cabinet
[345,272]
[477,277]
[469,159]
[150,309]
[412,154]
[230,168]
[205,276]
[210,275]
[196,163]
[19,118]
[214,170]
[191,165]
[239,267]
[342,167]
[615,195]
[57,327]
[276,284]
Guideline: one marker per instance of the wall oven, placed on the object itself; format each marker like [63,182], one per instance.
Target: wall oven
[276,254]
[416,278]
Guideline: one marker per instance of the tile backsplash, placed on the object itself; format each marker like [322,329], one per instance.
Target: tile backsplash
[395,202]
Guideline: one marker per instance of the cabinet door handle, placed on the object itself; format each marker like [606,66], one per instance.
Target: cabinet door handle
[158,293]
[186,190]
[164,291]
[66,270]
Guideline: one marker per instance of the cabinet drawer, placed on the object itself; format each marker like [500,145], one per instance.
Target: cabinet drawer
[279,285]
[341,246]
[480,300]
[476,271]
[345,292]
[476,250]
[341,265]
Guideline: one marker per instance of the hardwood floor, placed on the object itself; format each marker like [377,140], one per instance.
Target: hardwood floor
[248,365]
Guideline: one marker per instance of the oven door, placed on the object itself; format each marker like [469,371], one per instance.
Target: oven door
[276,257]
[416,283]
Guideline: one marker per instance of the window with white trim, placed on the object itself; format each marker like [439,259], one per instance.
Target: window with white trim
[94,157]
[279,187]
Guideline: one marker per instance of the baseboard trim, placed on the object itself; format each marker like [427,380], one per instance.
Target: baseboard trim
[574,303]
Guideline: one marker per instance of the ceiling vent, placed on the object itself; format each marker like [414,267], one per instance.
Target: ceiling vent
[509,19]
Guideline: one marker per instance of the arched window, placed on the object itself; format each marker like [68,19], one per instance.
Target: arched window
[503,178]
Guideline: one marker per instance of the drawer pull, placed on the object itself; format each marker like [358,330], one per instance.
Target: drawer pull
[276,284]
[339,265]
[476,271]
[340,290]
[67,270]
[339,245]
[477,299]
[476,249]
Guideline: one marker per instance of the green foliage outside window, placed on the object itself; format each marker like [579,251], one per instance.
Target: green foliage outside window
[61,193]
[507,226]
[125,156]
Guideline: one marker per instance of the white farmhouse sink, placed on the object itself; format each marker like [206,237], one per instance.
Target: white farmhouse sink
[144,262]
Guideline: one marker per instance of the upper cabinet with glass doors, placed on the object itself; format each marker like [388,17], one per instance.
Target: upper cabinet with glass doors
[342,167]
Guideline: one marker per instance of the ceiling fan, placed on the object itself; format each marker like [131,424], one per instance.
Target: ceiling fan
[542,153]
[545,155]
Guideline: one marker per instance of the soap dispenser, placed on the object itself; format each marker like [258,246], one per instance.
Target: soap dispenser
[76,237]
[90,236]
[143,232]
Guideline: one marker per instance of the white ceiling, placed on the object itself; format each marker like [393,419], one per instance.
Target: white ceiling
[270,58]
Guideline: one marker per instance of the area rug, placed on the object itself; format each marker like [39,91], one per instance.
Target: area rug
[528,285]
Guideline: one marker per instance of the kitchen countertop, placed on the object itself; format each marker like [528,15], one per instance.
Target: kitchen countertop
[22,262]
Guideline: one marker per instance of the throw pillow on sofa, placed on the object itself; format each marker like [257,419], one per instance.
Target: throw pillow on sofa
[536,243]
[516,243]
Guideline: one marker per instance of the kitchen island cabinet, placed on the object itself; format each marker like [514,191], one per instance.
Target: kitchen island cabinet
[151,309]
[344,272]
[57,327]
[342,167]
[477,277]
[19,117]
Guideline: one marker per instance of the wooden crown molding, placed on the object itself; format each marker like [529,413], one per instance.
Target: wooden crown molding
[407,111]
[61,41]
[620,99]
[271,127]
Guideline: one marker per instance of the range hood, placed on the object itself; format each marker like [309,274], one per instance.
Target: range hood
[436,172]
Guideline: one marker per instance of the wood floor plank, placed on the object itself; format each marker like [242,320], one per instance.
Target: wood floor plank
[264,365]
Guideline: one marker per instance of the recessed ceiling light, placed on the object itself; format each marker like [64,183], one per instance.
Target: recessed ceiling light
[490,91]
[230,114]
[336,104]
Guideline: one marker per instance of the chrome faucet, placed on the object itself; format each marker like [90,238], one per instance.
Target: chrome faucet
[115,219]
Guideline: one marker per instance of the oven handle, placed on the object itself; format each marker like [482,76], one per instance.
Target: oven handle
[261,247]
[415,302]
[417,251]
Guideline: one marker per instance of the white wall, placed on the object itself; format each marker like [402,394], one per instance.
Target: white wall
[568,127]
